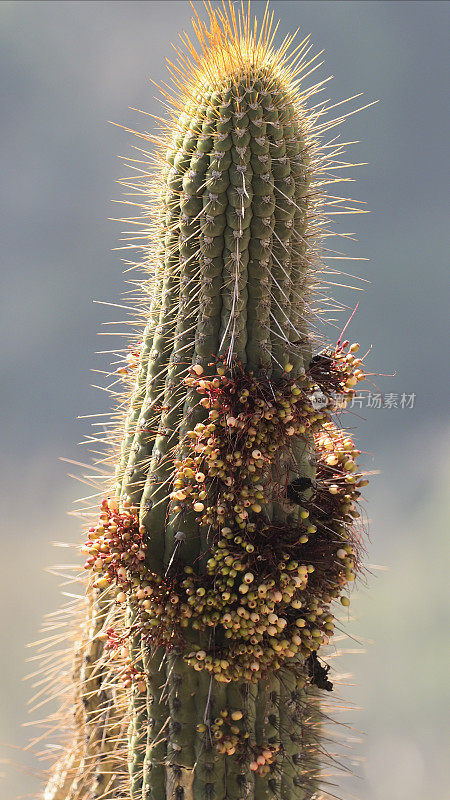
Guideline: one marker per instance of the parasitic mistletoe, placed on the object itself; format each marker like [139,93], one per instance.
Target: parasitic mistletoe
[231,531]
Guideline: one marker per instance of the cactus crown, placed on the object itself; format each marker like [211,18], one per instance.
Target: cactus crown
[237,116]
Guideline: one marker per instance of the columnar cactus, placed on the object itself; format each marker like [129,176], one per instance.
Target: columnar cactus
[230,531]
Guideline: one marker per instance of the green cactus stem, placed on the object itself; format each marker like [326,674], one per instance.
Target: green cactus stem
[231,529]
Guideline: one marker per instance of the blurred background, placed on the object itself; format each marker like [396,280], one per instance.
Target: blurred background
[66,69]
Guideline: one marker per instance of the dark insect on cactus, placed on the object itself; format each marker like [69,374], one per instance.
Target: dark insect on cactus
[232,525]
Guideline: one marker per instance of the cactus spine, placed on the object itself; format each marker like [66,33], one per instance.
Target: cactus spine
[230,529]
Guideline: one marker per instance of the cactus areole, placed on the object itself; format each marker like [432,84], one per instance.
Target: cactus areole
[230,535]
